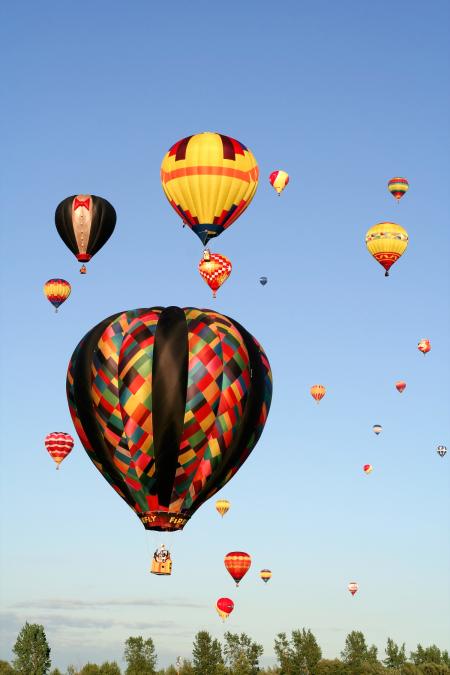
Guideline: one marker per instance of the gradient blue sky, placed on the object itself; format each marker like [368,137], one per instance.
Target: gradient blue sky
[342,95]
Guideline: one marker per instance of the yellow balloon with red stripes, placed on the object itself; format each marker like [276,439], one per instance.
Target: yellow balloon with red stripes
[209,179]
[386,242]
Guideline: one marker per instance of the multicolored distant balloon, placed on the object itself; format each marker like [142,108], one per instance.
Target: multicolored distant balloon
[386,242]
[237,564]
[265,575]
[400,386]
[424,346]
[57,291]
[224,607]
[353,587]
[318,391]
[209,179]
[377,429]
[263,281]
[59,445]
[279,179]
[441,450]
[85,223]
[367,468]
[168,404]
[214,270]
[222,506]
[397,187]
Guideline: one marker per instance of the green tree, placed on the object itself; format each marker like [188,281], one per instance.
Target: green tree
[332,667]
[6,668]
[434,669]
[207,655]
[410,669]
[186,668]
[90,669]
[430,654]
[356,652]
[32,651]
[109,668]
[299,655]
[140,656]
[242,654]
[395,655]
[56,671]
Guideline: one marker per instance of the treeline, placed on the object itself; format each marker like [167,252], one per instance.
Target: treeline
[238,654]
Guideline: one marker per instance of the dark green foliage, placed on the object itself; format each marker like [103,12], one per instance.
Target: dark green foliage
[332,667]
[140,656]
[207,655]
[395,655]
[356,652]
[301,654]
[427,655]
[6,668]
[32,651]
[242,654]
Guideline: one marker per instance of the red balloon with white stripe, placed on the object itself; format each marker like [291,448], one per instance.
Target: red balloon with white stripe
[278,180]
[59,445]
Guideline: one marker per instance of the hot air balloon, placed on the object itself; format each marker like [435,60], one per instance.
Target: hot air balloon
[424,346]
[377,429]
[209,179]
[367,468]
[214,269]
[237,564]
[318,391]
[279,180]
[224,607]
[222,506]
[59,445]
[85,223]
[265,575]
[441,450]
[397,187]
[57,291]
[168,404]
[353,587]
[400,386]
[161,561]
[386,242]
[263,281]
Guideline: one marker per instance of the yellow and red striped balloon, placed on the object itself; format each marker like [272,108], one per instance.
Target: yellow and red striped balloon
[318,391]
[57,291]
[59,445]
[397,187]
[209,179]
[265,575]
[214,270]
[237,563]
[367,468]
[222,506]
[279,179]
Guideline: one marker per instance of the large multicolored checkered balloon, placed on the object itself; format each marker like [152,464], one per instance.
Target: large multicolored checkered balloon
[168,404]
[209,179]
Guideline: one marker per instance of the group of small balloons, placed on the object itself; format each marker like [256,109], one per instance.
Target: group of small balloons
[237,564]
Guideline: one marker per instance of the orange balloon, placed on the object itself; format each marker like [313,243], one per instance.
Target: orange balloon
[237,564]
[214,269]
[318,391]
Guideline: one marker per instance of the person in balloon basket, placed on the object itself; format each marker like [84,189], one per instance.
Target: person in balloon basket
[162,562]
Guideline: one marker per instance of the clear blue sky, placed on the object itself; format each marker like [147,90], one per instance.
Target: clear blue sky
[342,95]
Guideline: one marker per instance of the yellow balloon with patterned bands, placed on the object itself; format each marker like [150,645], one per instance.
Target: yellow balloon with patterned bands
[222,506]
[386,242]
[209,179]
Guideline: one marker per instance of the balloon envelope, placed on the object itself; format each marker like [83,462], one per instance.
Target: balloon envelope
[263,281]
[209,180]
[397,187]
[265,575]
[441,450]
[224,607]
[279,179]
[57,291]
[318,391]
[214,270]
[59,445]
[168,404]
[386,242]
[85,223]
[353,587]
[367,468]
[237,563]
[222,506]
[400,386]
[377,429]
[424,346]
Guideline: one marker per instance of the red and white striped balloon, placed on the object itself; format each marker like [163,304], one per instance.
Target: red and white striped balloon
[59,445]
